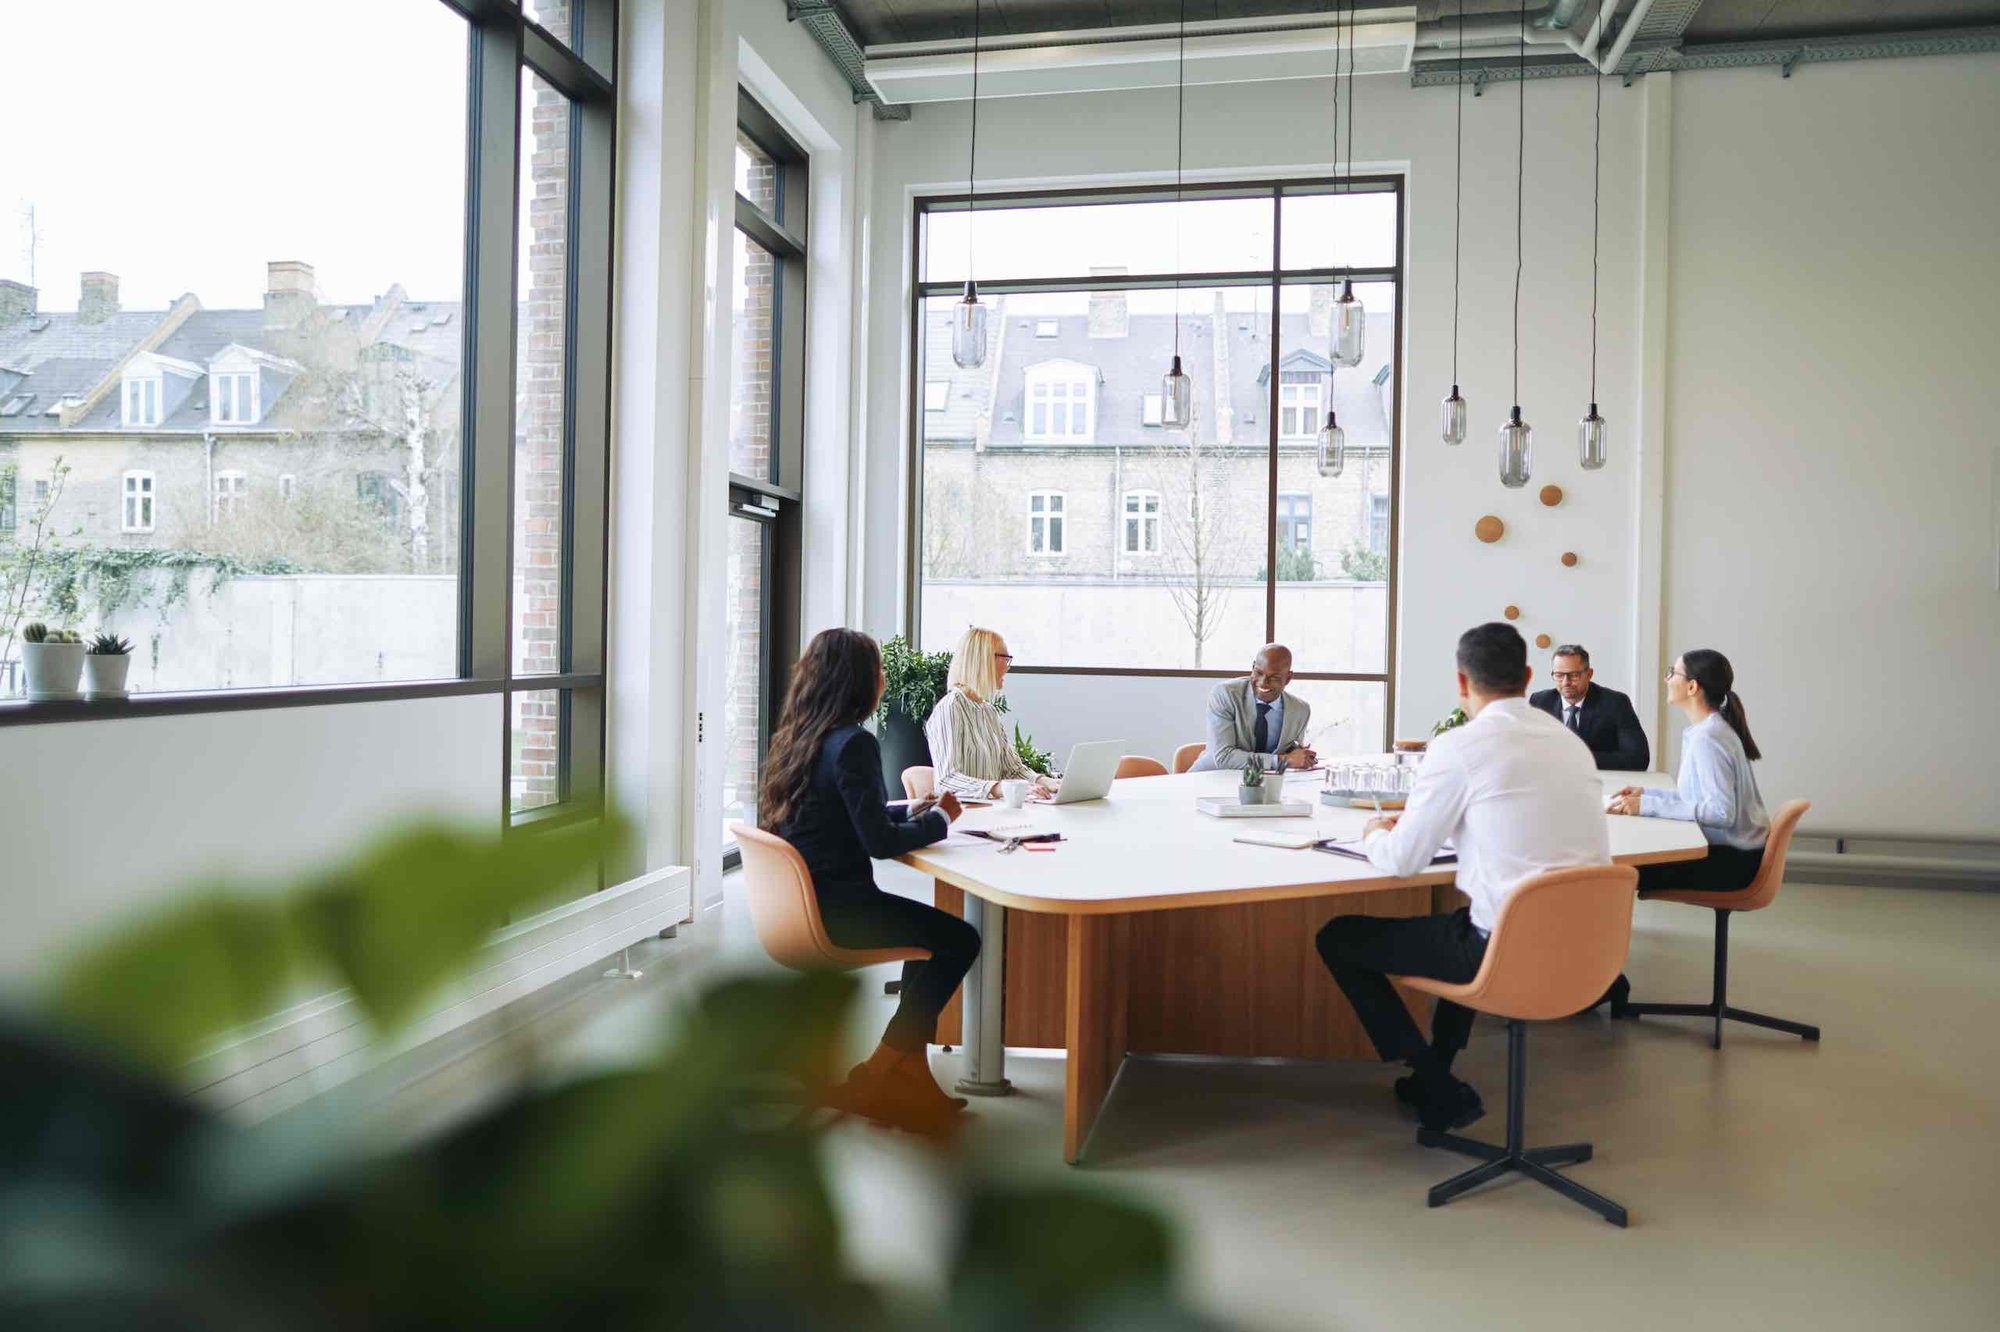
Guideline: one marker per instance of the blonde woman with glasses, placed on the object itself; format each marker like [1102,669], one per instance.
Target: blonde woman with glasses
[970,748]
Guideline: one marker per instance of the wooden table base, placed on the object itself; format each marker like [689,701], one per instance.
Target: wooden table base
[1232,981]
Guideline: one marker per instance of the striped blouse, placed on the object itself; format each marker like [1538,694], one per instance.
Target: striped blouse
[970,749]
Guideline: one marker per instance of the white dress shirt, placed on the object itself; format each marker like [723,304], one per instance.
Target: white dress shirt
[1515,792]
[1716,789]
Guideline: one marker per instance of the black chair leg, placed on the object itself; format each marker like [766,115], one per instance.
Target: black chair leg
[1717,1008]
[1534,1162]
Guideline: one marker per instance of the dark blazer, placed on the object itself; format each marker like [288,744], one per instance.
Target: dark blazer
[1608,725]
[845,821]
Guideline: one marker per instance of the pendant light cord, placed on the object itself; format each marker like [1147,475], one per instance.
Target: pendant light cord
[972,149]
[1596,179]
[1180,149]
[1353,19]
[1520,178]
[1457,185]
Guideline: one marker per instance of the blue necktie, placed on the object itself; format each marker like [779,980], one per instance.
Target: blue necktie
[1260,739]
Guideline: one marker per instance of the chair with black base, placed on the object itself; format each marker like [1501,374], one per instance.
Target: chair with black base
[1763,890]
[1558,942]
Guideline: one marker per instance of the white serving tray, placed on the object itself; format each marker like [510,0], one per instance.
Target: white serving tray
[1228,807]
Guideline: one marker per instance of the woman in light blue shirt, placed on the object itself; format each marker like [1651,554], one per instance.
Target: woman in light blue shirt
[1716,790]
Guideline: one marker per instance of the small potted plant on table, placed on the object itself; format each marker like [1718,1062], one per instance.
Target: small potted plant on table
[1255,789]
[54,660]
[105,666]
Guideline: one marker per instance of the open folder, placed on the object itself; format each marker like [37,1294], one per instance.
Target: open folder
[1351,848]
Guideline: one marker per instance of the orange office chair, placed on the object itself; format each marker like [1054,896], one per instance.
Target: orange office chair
[919,783]
[1763,890]
[786,913]
[1560,940]
[1188,755]
[1138,765]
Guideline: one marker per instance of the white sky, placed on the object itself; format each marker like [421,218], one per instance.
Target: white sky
[182,146]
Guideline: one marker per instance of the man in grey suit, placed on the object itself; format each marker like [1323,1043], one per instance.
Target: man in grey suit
[1252,717]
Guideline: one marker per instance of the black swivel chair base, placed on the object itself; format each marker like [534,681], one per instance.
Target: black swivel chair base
[1717,1008]
[1537,1163]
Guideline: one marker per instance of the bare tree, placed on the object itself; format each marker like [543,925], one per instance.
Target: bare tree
[1199,542]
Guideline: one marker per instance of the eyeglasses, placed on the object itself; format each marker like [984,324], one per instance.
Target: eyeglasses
[1003,656]
[1570,675]
[1673,674]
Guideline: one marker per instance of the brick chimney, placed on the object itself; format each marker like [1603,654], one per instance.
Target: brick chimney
[17,300]
[99,298]
[1108,316]
[1320,314]
[289,293]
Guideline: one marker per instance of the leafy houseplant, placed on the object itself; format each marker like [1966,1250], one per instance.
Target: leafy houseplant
[54,661]
[916,681]
[106,665]
[1036,760]
[1452,720]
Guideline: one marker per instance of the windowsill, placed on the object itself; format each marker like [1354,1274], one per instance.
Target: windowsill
[20,712]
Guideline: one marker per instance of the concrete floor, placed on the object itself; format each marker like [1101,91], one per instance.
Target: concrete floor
[1773,1184]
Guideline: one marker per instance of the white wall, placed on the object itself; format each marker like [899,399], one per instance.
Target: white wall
[1833,510]
[1807,498]
[102,819]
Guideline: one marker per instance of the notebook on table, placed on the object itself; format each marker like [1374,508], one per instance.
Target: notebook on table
[1351,848]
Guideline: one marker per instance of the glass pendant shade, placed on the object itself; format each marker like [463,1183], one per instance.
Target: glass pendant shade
[968,330]
[1176,398]
[1517,451]
[1453,425]
[1350,328]
[1332,447]
[1593,440]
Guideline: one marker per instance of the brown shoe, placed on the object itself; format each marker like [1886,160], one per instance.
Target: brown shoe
[895,1087]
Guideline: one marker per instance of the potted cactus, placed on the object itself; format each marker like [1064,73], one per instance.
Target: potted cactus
[106,663]
[1255,789]
[54,660]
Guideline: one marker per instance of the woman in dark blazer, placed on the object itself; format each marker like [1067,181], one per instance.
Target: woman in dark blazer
[822,792]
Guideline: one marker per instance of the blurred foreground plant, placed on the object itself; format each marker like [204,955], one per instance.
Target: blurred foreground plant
[684,1191]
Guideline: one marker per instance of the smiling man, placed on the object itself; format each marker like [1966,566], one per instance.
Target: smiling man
[1253,717]
[1602,718]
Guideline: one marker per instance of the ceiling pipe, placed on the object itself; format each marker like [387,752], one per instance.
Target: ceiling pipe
[1625,35]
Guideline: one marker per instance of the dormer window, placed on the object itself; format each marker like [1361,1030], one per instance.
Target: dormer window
[232,398]
[142,401]
[1062,403]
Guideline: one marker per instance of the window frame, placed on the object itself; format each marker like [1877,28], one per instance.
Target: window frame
[1143,521]
[1290,514]
[1078,383]
[151,392]
[500,41]
[227,493]
[1275,277]
[1305,419]
[1054,509]
[251,414]
[146,494]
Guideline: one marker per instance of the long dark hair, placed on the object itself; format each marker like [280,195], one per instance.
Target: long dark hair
[1711,671]
[833,686]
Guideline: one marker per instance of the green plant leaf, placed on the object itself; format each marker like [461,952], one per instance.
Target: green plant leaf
[1056,1257]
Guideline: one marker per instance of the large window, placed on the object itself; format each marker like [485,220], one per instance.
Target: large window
[1181,549]
[360,412]
[766,432]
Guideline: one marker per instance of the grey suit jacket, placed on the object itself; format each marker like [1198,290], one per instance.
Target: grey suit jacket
[1232,722]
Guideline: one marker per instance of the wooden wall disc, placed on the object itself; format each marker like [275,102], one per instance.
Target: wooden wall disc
[1569,559]
[1542,640]
[1489,529]
[1512,612]
[1552,495]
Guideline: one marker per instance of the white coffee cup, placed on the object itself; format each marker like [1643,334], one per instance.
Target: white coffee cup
[1014,792]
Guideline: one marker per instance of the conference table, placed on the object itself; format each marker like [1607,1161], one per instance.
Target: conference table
[1150,930]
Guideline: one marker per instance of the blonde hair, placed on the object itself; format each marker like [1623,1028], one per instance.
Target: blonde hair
[974,667]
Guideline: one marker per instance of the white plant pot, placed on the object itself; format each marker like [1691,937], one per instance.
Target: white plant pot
[1256,795]
[53,669]
[104,674]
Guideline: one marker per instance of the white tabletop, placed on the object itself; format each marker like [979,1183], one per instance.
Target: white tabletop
[1146,847]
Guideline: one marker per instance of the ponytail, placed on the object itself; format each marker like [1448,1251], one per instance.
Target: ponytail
[1712,673]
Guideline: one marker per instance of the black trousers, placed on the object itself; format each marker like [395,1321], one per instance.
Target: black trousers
[1362,952]
[1725,869]
[883,920]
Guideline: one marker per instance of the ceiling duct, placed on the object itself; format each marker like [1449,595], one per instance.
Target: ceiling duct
[822,19]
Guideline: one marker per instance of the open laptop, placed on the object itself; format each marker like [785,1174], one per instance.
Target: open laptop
[1092,765]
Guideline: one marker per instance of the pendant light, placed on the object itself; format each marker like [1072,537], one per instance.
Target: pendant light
[1593,436]
[1517,437]
[968,325]
[1453,423]
[1177,389]
[1330,446]
[1350,321]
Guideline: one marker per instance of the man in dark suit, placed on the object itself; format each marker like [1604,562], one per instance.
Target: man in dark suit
[1602,717]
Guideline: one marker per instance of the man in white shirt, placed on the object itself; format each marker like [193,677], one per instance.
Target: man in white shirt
[1517,796]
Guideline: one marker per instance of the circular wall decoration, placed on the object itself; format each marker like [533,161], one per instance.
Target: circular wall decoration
[1512,612]
[1552,495]
[1542,640]
[1489,529]
[1569,559]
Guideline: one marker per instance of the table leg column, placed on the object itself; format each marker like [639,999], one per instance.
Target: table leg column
[1095,1020]
[983,1004]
